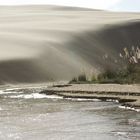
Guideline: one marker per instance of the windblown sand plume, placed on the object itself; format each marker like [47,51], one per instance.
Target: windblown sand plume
[48,43]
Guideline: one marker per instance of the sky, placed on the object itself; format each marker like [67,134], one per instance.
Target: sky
[116,5]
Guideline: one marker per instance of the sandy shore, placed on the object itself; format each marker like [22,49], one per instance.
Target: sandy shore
[128,95]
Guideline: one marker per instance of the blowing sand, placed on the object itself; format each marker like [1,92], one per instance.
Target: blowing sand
[52,43]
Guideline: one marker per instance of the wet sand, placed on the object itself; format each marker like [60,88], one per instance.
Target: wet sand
[128,95]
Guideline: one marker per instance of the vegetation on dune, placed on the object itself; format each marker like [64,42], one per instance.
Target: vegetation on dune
[130,74]
[81,79]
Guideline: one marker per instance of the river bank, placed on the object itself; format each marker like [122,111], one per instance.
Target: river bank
[127,95]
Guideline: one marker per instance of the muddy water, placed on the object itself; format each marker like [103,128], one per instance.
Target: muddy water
[31,116]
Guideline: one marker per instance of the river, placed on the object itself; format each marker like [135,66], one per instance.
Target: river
[27,115]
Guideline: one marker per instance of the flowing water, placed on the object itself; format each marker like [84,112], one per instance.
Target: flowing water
[27,115]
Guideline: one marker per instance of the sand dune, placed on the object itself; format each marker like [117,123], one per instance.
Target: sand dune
[43,43]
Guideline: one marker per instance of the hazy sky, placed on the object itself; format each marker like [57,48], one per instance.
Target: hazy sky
[119,5]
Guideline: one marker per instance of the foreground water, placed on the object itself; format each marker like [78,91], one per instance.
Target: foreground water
[25,115]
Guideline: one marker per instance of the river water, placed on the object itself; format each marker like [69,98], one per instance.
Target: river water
[27,115]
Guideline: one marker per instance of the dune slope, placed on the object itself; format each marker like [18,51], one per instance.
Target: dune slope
[50,43]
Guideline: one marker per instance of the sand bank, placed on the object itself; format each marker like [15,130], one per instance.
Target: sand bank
[127,95]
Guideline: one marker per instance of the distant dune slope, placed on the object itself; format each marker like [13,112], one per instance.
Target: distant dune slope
[109,42]
[49,43]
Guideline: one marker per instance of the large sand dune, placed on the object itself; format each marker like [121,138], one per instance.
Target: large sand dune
[43,43]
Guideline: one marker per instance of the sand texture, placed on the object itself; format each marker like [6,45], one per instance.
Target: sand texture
[126,94]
